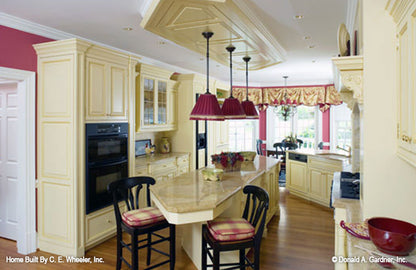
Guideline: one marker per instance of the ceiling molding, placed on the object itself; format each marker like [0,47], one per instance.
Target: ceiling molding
[242,4]
[352,8]
[398,8]
[33,28]
[52,33]
[183,21]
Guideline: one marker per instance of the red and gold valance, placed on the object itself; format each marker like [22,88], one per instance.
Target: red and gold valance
[323,96]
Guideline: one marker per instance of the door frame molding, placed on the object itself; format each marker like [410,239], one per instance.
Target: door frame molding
[26,213]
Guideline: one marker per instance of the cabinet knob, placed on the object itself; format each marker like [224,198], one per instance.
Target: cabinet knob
[406,138]
[108,220]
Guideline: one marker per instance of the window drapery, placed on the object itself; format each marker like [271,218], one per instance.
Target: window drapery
[323,96]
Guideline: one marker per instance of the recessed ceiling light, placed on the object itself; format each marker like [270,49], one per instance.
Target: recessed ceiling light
[127,28]
[298,17]
[306,37]
[311,46]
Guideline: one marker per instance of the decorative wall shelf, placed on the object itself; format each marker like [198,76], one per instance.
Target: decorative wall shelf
[348,78]
[183,21]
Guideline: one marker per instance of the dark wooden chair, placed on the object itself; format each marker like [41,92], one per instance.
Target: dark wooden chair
[254,215]
[282,147]
[139,221]
[258,147]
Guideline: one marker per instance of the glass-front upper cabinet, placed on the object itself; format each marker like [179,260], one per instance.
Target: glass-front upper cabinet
[162,102]
[155,99]
[149,102]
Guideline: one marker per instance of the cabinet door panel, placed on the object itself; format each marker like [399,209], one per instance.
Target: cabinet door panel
[316,185]
[148,101]
[298,176]
[96,89]
[162,100]
[118,90]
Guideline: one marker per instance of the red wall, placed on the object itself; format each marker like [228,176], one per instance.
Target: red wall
[16,50]
[326,117]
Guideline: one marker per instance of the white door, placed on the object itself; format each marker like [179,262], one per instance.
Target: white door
[8,160]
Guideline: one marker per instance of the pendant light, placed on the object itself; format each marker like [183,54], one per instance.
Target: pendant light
[232,108]
[248,106]
[287,109]
[207,107]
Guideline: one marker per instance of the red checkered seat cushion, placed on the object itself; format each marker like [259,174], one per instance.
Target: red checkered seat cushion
[230,229]
[142,216]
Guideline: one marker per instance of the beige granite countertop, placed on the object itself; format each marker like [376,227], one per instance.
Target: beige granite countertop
[338,155]
[190,192]
[153,158]
[354,214]
[326,155]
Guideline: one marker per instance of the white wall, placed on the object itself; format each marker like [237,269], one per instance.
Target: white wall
[389,182]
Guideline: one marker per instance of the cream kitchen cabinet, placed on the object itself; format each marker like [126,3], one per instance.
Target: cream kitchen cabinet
[163,166]
[106,89]
[71,74]
[319,182]
[100,225]
[312,179]
[296,176]
[405,15]
[155,100]
[272,187]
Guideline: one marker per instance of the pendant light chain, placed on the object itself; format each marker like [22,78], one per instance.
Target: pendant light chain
[246,59]
[206,106]
[230,49]
[207,35]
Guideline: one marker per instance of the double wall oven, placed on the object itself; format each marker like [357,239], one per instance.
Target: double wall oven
[107,160]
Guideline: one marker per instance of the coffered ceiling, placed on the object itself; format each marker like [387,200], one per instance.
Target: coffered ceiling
[233,23]
[285,37]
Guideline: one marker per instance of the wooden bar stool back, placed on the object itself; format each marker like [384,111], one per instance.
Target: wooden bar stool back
[226,234]
[137,221]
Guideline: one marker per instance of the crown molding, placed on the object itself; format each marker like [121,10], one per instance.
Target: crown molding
[182,21]
[243,5]
[33,28]
[398,8]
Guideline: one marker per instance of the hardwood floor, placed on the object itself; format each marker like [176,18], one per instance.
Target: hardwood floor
[302,238]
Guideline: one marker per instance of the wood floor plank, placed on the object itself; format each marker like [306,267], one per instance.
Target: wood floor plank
[302,238]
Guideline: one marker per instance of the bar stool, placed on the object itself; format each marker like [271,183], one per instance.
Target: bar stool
[139,221]
[226,234]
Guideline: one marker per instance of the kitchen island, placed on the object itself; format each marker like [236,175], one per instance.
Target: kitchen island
[190,201]
[309,173]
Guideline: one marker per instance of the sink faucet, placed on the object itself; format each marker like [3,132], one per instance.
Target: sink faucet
[346,149]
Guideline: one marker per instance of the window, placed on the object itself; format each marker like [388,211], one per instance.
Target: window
[242,135]
[341,132]
[306,125]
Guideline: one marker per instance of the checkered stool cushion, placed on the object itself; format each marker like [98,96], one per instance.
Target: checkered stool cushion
[142,216]
[230,229]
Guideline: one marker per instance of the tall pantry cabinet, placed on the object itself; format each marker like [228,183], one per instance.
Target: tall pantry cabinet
[78,82]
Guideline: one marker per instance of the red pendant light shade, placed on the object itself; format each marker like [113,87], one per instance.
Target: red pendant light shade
[207,107]
[232,108]
[248,106]
[250,109]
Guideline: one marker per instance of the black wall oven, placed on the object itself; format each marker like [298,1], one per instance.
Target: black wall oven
[107,161]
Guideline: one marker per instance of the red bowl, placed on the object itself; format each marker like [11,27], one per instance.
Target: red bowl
[392,236]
